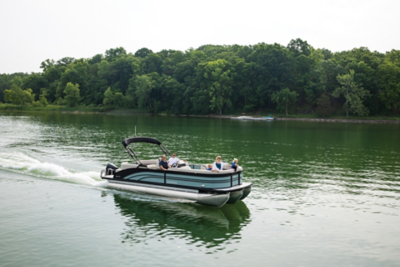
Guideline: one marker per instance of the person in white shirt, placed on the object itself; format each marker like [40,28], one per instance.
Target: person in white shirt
[173,162]
[218,164]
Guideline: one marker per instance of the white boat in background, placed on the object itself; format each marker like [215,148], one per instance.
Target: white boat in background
[268,118]
[242,118]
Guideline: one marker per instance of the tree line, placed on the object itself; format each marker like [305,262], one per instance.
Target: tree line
[215,79]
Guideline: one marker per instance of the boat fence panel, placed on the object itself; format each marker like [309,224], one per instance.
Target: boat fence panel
[235,179]
[195,167]
[151,177]
[197,181]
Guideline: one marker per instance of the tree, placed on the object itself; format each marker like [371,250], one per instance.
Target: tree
[272,68]
[45,65]
[43,99]
[28,97]
[299,47]
[17,96]
[324,105]
[108,97]
[219,82]
[35,81]
[5,83]
[119,99]
[144,86]
[283,98]
[389,85]
[65,61]
[353,93]
[71,94]
[143,52]
[114,53]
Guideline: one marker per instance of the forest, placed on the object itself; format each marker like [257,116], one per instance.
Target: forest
[216,79]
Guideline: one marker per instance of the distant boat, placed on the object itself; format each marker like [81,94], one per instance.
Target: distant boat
[268,118]
[242,118]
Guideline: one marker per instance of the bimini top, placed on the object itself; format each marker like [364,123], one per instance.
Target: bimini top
[131,140]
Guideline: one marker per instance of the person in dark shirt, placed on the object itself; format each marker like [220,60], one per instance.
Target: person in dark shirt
[163,164]
[235,164]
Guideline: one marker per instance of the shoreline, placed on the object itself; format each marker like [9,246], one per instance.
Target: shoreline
[302,119]
[340,120]
[127,112]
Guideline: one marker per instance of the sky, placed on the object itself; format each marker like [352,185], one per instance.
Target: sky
[35,30]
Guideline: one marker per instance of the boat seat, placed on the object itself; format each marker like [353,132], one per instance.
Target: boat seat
[148,162]
[127,165]
[183,169]
[153,166]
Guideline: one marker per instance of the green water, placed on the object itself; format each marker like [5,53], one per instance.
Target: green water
[324,194]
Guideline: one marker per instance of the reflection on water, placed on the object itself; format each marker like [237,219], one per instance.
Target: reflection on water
[199,225]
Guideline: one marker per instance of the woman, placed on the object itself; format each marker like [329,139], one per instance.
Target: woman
[218,164]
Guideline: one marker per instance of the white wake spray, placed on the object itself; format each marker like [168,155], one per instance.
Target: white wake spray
[22,163]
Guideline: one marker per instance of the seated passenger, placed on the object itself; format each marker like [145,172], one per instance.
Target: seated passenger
[210,168]
[234,164]
[163,164]
[218,164]
[173,161]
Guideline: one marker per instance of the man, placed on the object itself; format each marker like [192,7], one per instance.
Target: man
[173,161]
[163,164]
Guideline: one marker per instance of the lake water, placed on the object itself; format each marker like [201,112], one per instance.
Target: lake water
[324,194]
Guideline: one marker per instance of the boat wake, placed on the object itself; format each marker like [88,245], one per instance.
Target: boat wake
[25,164]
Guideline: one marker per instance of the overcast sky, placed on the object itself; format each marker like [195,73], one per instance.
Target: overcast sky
[36,30]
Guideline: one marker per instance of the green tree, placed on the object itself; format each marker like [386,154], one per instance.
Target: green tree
[43,99]
[144,86]
[272,71]
[17,96]
[71,94]
[36,82]
[284,98]
[143,52]
[219,82]
[114,53]
[389,86]
[324,105]
[47,64]
[119,99]
[353,94]
[5,83]
[108,97]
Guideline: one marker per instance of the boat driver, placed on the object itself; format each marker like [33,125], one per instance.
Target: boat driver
[163,164]
[173,161]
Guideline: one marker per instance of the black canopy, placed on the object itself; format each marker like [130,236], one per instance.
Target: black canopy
[131,140]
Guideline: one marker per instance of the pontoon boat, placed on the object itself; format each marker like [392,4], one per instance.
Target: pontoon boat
[184,181]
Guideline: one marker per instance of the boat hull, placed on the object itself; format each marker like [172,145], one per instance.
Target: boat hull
[235,196]
[215,200]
